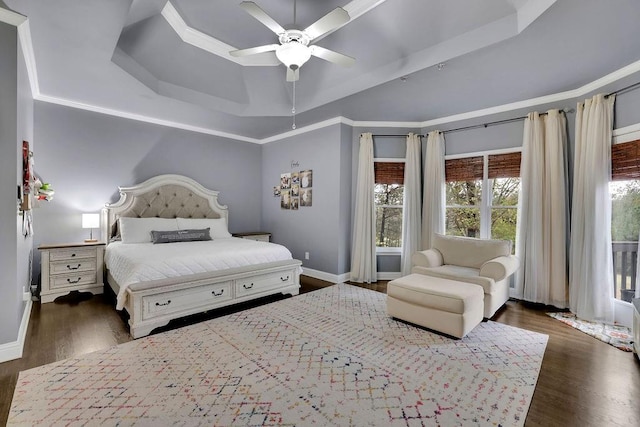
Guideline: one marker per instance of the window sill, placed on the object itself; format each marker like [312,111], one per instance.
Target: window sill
[388,251]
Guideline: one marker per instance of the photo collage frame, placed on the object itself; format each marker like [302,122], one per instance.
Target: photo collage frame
[295,190]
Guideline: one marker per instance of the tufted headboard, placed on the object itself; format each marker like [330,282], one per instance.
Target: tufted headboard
[163,196]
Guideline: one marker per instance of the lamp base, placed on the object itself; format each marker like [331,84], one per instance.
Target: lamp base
[90,240]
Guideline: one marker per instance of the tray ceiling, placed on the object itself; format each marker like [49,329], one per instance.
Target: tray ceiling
[168,60]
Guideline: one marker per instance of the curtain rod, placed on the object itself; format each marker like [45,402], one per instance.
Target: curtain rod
[515,119]
[624,89]
[481,125]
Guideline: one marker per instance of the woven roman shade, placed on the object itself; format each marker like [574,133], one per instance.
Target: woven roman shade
[504,165]
[466,169]
[389,172]
[625,161]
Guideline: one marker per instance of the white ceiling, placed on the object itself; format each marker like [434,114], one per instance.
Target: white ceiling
[167,61]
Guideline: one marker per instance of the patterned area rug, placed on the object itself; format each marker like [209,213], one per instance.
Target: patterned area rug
[328,357]
[616,335]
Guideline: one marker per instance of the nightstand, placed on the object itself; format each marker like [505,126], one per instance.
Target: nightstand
[255,235]
[71,267]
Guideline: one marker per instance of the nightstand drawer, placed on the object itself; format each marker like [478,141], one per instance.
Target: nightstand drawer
[70,266]
[72,280]
[72,253]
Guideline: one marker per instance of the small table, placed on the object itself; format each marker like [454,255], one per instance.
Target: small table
[260,236]
[71,267]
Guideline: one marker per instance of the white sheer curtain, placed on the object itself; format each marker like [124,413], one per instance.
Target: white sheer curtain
[411,206]
[542,224]
[433,199]
[591,263]
[363,245]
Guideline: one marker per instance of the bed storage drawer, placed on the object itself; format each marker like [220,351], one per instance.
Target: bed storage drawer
[257,284]
[70,266]
[72,280]
[174,301]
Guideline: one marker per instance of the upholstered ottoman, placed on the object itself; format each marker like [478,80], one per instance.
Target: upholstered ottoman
[447,306]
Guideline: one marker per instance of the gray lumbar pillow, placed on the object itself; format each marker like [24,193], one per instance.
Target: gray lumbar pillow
[171,236]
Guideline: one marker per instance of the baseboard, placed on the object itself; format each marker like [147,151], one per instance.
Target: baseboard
[13,350]
[327,277]
[390,275]
[344,277]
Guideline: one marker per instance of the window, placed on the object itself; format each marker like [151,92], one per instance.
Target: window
[389,193]
[482,196]
[625,216]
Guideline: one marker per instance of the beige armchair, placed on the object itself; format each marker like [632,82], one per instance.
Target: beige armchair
[484,262]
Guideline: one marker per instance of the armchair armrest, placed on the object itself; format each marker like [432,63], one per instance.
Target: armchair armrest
[428,258]
[500,268]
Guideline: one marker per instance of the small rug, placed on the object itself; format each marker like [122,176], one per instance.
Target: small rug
[616,335]
[328,357]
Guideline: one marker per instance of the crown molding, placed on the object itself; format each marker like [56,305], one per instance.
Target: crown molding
[24,36]
[10,17]
[210,44]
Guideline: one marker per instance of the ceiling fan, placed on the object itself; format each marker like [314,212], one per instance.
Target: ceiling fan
[295,46]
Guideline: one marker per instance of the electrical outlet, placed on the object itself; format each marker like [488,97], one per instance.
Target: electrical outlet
[306,255]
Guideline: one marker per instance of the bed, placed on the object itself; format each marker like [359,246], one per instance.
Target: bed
[156,283]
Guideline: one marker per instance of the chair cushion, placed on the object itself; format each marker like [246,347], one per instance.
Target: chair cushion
[469,252]
[461,274]
[437,293]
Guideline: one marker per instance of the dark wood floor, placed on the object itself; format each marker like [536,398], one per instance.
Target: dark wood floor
[583,382]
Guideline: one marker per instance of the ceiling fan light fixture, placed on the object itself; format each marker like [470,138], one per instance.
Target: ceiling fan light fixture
[293,54]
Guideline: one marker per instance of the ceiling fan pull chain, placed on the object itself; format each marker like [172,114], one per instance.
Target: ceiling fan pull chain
[293,108]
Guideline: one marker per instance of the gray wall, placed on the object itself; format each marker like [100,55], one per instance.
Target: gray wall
[320,229]
[86,156]
[16,118]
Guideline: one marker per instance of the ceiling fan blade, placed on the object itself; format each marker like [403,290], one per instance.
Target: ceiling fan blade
[254,50]
[254,10]
[331,56]
[293,76]
[328,22]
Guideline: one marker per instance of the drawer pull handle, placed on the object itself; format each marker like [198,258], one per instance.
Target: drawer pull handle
[218,294]
[73,281]
[72,255]
[284,279]
[247,286]
[163,304]
[73,268]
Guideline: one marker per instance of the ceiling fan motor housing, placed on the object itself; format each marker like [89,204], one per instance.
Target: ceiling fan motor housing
[294,50]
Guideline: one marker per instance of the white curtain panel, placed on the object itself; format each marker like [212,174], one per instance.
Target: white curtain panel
[541,242]
[433,198]
[591,263]
[363,245]
[412,206]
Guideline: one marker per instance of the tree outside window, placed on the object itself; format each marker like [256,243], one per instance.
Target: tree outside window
[389,193]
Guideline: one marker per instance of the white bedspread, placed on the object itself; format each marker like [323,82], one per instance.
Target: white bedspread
[139,262]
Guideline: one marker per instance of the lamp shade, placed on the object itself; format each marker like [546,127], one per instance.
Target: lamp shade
[90,220]
[293,54]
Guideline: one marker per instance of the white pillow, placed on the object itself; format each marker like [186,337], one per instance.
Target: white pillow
[138,230]
[217,226]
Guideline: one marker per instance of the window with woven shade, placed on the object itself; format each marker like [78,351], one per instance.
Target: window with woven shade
[625,161]
[483,204]
[625,216]
[389,193]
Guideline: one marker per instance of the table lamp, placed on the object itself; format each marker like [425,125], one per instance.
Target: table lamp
[91,221]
